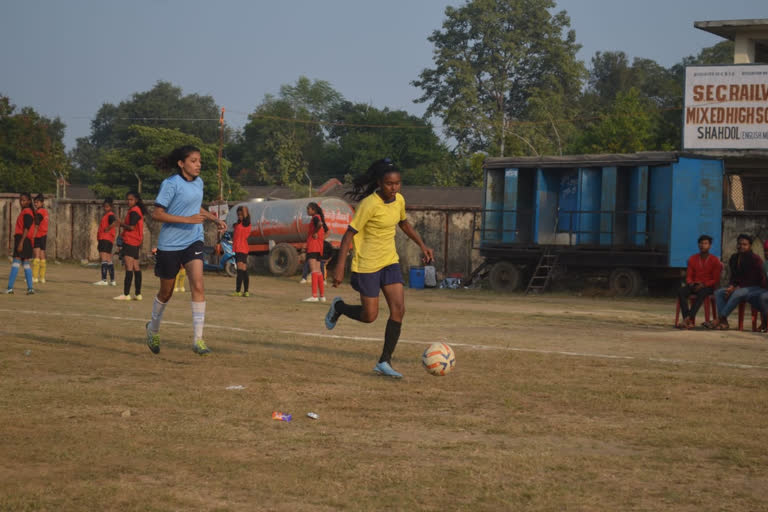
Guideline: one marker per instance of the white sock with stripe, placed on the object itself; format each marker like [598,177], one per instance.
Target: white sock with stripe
[198,320]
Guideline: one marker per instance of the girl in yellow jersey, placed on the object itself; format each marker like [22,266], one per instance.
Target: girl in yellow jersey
[376,265]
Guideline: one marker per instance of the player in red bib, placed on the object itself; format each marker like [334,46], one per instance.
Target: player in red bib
[23,239]
[39,263]
[133,235]
[315,238]
[105,237]
[242,230]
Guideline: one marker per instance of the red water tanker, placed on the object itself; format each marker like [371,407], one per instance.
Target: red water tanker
[279,228]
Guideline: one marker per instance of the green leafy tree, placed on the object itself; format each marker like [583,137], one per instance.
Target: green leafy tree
[163,106]
[361,134]
[133,166]
[31,150]
[491,57]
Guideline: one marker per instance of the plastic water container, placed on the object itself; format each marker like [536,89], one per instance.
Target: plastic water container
[416,278]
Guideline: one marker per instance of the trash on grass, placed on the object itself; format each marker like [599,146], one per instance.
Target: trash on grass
[313,415]
[236,387]
[281,416]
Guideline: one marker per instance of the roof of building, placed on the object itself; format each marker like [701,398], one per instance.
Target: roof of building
[628,159]
[755,29]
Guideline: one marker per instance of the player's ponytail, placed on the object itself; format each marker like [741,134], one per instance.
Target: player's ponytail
[319,211]
[246,216]
[365,184]
[170,162]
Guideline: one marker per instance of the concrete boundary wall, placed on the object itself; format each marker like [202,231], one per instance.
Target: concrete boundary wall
[74,223]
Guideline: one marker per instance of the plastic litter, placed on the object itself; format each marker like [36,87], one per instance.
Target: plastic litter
[281,416]
[453,283]
[236,387]
[313,415]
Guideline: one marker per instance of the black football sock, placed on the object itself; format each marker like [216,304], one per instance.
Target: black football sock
[391,335]
[104,270]
[239,281]
[353,312]
[246,280]
[111,267]
[127,282]
[138,282]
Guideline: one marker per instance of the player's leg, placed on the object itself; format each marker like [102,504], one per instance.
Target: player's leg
[195,275]
[166,267]
[314,272]
[26,261]
[128,262]
[395,297]
[35,263]
[43,260]
[137,279]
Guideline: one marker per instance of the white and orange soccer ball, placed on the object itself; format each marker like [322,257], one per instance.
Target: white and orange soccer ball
[438,359]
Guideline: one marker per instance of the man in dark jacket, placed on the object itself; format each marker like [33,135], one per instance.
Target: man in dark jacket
[747,278]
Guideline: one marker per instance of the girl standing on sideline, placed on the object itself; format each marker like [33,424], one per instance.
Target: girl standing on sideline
[23,236]
[133,235]
[41,235]
[106,240]
[317,230]
[180,243]
[376,264]
[242,229]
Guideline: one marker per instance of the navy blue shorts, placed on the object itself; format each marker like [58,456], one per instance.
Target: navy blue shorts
[168,263]
[369,284]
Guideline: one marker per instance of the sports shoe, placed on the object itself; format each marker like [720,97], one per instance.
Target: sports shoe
[246,294]
[322,299]
[303,281]
[200,348]
[138,297]
[237,294]
[100,283]
[42,280]
[182,289]
[311,299]
[386,370]
[112,283]
[332,316]
[175,289]
[30,291]
[153,341]
[122,297]
[9,291]
[35,280]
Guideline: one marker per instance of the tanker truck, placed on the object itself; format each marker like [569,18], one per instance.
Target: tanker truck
[279,228]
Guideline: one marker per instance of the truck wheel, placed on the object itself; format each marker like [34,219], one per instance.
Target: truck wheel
[505,277]
[625,282]
[231,268]
[283,260]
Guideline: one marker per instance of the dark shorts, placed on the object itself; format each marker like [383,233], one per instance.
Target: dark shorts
[314,256]
[40,242]
[168,263]
[105,246]
[132,251]
[241,257]
[26,251]
[369,285]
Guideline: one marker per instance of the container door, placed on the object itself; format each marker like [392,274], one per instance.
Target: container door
[509,215]
[493,203]
[590,190]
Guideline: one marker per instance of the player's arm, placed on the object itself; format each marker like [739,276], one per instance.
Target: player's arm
[133,219]
[346,245]
[221,224]
[114,224]
[429,255]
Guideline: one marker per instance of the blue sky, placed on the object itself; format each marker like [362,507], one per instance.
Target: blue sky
[67,58]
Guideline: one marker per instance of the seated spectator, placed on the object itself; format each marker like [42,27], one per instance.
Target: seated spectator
[747,278]
[702,278]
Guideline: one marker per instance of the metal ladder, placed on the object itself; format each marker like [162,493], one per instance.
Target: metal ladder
[543,273]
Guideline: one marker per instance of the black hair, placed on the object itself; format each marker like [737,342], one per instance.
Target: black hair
[705,237]
[40,197]
[109,201]
[744,237]
[170,162]
[139,202]
[319,211]
[246,215]
[365,184]
[26,194]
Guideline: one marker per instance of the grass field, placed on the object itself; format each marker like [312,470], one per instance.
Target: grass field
[556,403]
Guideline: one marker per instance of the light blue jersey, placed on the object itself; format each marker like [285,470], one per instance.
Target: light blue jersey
[183,198]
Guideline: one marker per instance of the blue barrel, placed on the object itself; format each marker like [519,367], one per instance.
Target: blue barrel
[416,278]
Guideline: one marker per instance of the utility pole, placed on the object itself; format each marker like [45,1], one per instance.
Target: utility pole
[221,148]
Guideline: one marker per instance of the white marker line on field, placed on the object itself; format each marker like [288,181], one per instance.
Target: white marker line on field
[412,342]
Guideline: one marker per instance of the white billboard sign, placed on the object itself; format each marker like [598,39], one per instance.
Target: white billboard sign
[726,107]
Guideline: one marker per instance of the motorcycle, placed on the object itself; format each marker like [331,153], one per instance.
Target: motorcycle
[226,261]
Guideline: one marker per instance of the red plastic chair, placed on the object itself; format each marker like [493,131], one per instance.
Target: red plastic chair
[755,313]
[710,308]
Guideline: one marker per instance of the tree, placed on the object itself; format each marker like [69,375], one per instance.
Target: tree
[163,106]
[361,134]
[491,57]
[31,150]
[284,137]
[133,166]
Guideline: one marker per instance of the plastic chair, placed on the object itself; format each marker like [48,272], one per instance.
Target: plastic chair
[755,313]
[710,308]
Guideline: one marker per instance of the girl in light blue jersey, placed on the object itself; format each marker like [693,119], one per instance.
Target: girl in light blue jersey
[180,243]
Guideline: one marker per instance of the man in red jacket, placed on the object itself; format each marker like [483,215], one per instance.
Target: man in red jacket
[702,278]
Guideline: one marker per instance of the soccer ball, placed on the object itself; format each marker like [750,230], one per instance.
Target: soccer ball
[438,359]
